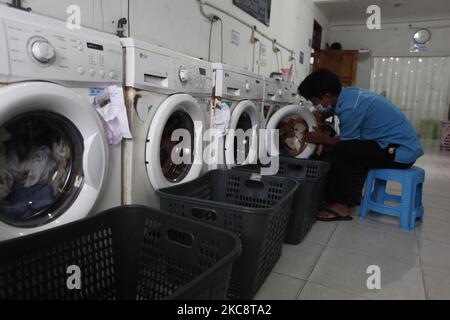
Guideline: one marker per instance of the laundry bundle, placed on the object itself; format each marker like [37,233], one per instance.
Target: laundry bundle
[293,135]
[6,178]
[32,174]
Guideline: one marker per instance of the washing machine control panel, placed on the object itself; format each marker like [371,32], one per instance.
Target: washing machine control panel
[236,84]
[277,90]
[294,97]
[41,48]
[150,67]
[194,75]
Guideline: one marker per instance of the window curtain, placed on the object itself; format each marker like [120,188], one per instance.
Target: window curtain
[418,86]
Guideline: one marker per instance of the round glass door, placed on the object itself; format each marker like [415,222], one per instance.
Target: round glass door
[41,172]
[293,123]
[293,130]
[242,147]
[241,142]
[172,149]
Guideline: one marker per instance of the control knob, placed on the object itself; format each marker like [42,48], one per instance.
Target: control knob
[184,75]
[43,51]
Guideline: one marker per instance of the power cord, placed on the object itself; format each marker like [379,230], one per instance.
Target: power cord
[213,19]
[281,59]
[210,37]
[221,40]
[129,21]
[102,14]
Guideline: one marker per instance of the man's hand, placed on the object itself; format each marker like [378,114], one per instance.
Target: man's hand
[318,117]
[320,137]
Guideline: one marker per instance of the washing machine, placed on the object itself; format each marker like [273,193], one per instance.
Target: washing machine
[56,166]
[294,96]
[243,92]
[167,95]
[284,111]
[277,94]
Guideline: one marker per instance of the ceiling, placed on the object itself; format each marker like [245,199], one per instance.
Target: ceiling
[392,10]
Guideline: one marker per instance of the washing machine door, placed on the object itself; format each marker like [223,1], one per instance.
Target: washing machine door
[268,111]
[174,152]
[53,158]
[298,115]
[241,144]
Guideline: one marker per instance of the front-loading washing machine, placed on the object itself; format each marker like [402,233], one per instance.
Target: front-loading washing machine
[292,122]
[294,96]
[277,94]
[56,166]
[167,94]
[243,92]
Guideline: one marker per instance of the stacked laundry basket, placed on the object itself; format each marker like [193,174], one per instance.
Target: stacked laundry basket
[264,211]
[311,176]
[254,207]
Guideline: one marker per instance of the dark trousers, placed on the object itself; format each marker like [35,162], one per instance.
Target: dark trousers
[348,160]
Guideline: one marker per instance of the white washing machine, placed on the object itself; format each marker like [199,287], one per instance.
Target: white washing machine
[55,164]
[277,94]
[294,96]
[165,91]
[282,109]
[243,91]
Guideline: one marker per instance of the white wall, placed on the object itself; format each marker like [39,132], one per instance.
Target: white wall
[394,39]
[179,25]
[101,15]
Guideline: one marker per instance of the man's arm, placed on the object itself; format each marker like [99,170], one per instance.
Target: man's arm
[321,117]
[320,137]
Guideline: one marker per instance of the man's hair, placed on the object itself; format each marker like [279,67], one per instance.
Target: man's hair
[319,83]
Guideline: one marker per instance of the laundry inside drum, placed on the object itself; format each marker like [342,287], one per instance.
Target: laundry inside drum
[293,132]
[40,168]
[177,155]
[242,140]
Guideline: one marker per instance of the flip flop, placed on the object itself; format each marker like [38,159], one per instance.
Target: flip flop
[337,216]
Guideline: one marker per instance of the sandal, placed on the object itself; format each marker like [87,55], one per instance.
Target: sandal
[336,216]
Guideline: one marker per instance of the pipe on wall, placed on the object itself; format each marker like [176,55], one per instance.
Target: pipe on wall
[203,3]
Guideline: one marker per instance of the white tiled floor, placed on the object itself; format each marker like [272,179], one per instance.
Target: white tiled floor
[331,263]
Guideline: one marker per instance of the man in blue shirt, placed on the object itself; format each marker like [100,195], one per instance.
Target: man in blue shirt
[374,133]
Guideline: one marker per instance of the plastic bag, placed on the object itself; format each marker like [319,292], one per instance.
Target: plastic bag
[222,117]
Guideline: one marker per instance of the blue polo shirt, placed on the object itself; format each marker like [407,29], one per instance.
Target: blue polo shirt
[365,115]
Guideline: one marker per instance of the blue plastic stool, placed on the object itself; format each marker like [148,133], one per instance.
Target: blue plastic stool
[410,209]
